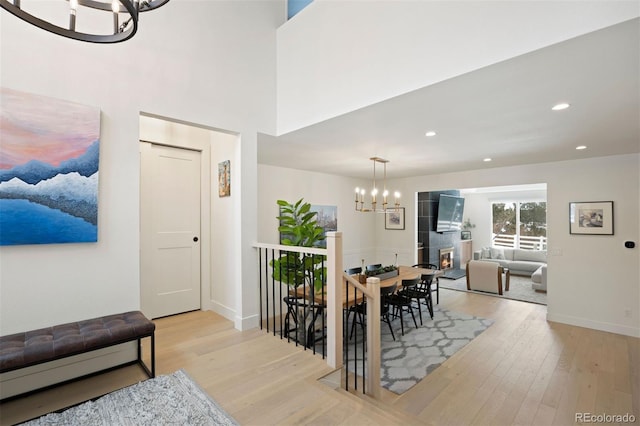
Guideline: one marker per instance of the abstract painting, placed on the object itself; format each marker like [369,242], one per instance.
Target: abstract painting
[224,179]
[49,151]
[327,217]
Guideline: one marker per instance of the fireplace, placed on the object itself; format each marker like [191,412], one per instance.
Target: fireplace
[446,258]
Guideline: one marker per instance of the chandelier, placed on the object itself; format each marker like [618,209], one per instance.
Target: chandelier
[119,15]
[360,193]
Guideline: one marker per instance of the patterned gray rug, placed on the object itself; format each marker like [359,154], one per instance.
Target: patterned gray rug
[408,359]
[519,289]
[165,400]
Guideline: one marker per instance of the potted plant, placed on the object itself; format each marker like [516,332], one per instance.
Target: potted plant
[383,272]
[467,226]
[299,227]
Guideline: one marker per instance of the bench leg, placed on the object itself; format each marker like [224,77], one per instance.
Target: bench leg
[150,372]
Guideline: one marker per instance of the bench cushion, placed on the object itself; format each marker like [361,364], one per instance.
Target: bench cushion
[47,344]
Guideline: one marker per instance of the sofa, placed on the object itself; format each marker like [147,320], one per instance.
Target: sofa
[539,278]
[519,261]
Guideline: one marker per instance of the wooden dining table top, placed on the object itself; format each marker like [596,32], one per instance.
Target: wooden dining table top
[407,273]
[404,273]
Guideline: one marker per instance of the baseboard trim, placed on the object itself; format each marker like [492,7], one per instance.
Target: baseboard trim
[595,325]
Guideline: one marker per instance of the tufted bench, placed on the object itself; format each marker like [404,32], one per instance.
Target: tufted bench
[29,348]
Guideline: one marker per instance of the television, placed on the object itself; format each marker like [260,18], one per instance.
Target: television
[450,209]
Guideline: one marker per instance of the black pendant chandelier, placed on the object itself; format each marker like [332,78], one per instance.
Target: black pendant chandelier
[122,14]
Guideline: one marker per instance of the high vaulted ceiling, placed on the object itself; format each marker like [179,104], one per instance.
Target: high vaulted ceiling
[502,112]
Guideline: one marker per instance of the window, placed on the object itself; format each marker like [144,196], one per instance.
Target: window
[295,6]
[520,225]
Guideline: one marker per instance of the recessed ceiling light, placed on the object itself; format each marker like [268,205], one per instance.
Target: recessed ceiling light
[560,107]
[486,160]
[581,147]
[430,133]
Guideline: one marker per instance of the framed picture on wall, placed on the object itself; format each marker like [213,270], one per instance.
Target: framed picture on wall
[394,219]
[224,178]
[591,218]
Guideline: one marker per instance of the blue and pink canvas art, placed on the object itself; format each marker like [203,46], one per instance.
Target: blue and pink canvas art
[49,151]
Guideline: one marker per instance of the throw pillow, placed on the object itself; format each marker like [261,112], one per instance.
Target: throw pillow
[497,253]
[486,253]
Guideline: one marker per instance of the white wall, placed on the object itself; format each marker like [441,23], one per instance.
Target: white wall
[225,224]
[592,280]
[210,63]
[338,56]
[278,183]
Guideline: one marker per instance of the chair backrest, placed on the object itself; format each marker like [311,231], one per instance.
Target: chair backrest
[484,276]
[374,267]
[426,280]
[413,282]
[385,293]
[353,271]
[388,290]
[426,266]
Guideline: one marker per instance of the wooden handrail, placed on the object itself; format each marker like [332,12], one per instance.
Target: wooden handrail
[356,284]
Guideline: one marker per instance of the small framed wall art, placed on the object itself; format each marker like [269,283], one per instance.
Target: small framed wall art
[224,178]
[591,218]
[394,219]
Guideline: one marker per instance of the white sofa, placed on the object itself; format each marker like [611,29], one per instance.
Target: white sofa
[519,261]
[539,278]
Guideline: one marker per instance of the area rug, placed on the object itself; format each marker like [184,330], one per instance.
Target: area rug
[519,289]
[165,400]
[410,358]
[454,274]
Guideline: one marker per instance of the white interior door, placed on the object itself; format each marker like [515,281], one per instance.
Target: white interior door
[170,230]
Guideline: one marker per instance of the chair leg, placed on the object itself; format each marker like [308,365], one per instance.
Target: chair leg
[401,320]
[413,316]
[429,301]
[388,321]
[356,316]
[437,291]
[419,310]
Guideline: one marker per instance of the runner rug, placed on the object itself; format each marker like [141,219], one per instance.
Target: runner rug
[410,358]
[173,399]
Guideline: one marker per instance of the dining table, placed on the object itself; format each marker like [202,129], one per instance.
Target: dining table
[404,273]
[351,297]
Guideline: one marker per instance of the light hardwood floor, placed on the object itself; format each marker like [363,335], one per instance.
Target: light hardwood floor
[523,370]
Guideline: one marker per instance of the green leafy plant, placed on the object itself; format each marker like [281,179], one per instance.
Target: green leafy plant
[468,225]
[381,270]
[299,227]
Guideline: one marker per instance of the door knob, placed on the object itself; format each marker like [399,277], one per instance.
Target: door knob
[195,239]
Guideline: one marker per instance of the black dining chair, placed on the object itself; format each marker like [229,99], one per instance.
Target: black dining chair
[385,294]
[401,302]
[361,309]
[437,281]
[422,291]
[356,309]
[374,267]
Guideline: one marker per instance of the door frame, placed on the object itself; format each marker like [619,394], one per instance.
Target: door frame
[183,136]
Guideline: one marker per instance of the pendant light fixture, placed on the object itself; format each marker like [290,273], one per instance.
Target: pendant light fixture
[379,204]
[120,15]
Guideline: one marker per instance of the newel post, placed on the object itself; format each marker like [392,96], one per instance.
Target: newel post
[373,338]
[334,299]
